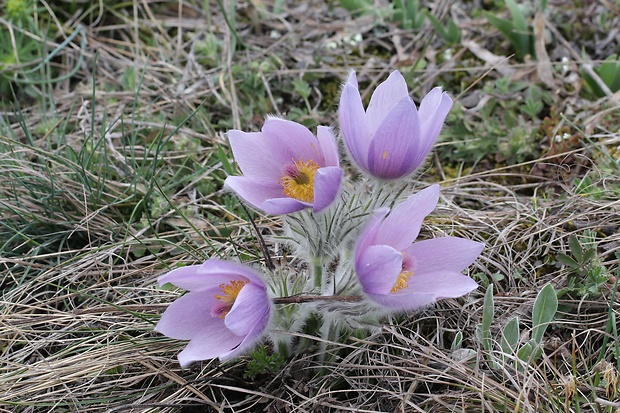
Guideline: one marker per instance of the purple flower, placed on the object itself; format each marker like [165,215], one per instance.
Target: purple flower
[401,274]
[285,167]
[224,313]
[391,138]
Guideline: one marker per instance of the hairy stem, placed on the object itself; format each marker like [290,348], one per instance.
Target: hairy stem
[298,299]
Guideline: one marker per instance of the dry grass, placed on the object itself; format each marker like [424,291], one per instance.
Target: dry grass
[101,194]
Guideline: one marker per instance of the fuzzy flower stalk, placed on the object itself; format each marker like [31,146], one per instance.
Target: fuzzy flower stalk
[224,314]
[399,274]
[285,167]
[391,138]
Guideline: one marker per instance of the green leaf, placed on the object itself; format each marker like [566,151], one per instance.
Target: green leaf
[408,13]
[609,72]
[504,26]
[525,351]
[522,34]
[575,248]
[510,336]
[536,353]
[223,158]
[357,6]
[263,363]
[457,342]
[518,20]
[529,352]
[488,310]
[588,255]
[497,276]
[515,31]
[449,33]
[545,307]
[592,84]
[453,34]
[483,279]
[436,24]
[566,260]
[302,88]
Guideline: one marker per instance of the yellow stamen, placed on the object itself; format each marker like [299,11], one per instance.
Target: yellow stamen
[402,281]
[385,154]
[298,180]
[228,296]
[230,291]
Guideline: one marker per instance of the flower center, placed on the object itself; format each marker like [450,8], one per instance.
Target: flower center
[298,180]
[405,275]
[227,298]
[402,281]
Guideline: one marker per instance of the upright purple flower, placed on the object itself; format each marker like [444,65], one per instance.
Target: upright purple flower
[391,138]
[285,167]
[223,315]
[401,274]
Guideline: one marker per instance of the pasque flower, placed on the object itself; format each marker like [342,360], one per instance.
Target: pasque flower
[224,314]
[285,167]
[401,274]
[391,138]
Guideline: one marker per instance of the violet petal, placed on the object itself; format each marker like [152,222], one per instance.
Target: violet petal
[193,278]
[232,269]
[249,340]
[352,79]
[433,111]
[353,125]
[403,302]
[328,146]
[250,306]
[384,98]
[402,225]
[326,186]
[444,254]
[279,206]
[212,272]
[190,315]
[292,138]
[393,147]
[259,157]
[378,268]
[252,192]
[442,284]
[369,233]
[209,344]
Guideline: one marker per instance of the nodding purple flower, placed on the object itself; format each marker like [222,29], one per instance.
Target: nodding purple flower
[224,314]
[391,138]
[401,274]
[285,167]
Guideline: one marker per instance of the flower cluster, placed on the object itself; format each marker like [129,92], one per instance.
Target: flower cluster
[362,257]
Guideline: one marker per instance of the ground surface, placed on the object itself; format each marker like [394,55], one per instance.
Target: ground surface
[113,154]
